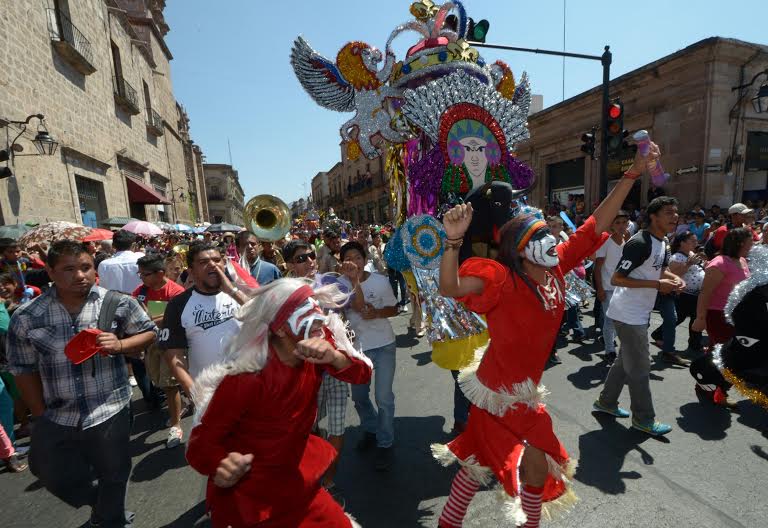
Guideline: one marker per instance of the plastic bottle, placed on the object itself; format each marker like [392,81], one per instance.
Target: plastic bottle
[27,295]
[658,176]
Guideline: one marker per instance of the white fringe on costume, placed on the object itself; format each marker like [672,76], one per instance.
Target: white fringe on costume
[248,350]
[498,402]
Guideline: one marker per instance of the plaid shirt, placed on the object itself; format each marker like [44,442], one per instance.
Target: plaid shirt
[82,395]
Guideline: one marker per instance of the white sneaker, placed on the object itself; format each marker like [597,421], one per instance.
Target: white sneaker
[175,434]
[405,308]
[132,381]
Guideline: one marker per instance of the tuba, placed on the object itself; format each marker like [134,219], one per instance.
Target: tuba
[267,217]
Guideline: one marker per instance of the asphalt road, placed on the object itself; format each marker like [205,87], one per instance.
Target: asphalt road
[710,472]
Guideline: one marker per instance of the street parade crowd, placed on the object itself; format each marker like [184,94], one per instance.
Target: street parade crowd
[262,339]
[263,333]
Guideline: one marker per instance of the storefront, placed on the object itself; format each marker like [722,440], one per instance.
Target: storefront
[565,181]
[755,186]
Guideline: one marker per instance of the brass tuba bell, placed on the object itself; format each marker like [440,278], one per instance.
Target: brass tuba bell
[267,217]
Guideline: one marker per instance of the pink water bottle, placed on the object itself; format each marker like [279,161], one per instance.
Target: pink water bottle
[658,176]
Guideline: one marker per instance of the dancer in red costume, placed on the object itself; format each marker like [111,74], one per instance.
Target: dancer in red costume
[256,411]
[509,434]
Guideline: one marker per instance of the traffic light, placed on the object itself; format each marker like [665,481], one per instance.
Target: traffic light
[477,31]
[615,132]
[589,142]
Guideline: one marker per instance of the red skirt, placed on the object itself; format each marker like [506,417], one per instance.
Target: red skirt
[718,329]
[322,512]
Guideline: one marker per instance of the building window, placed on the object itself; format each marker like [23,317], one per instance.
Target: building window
[147,101]
[90,195]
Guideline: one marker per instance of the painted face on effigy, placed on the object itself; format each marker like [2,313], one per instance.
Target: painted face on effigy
[308,320]
[542,249]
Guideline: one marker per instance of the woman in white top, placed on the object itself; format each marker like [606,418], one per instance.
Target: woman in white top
[688,265]
[371,305]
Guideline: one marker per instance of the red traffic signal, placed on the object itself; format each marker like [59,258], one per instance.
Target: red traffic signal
[615,110]
[615,129]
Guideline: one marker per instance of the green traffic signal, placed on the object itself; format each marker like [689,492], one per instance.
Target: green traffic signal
[477,31]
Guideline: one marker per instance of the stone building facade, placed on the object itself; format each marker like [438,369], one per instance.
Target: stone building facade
[359,189]
[225,195]
[99,71]
[320,190]
[706,131]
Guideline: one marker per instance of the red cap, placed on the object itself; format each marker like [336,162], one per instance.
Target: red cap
[83,346]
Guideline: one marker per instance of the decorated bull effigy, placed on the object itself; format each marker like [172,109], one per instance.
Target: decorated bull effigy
[446,122]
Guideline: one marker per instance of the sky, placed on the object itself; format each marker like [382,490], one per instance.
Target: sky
[231,68]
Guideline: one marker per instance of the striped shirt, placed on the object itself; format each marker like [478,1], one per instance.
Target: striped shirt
[82,395]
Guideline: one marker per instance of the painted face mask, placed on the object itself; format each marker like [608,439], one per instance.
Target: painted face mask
[300,322]
[541,249]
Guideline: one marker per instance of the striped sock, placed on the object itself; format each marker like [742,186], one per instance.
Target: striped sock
[531,499]
[463,489]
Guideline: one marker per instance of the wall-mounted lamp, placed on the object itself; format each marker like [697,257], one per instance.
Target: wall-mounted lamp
[43,142]
[760,100]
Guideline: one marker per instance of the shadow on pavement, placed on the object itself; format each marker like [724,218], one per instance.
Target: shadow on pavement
[423,358]
[194,517]
[589,377]
[753,416]
[602,453]
[759,451]
[392,498]
[408,340]
[156,463]
[705,420]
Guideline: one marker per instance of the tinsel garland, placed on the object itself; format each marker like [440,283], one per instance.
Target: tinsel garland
[744,388]
[426,177]
[398,184]
[520,175]
[576,290]
[450,319]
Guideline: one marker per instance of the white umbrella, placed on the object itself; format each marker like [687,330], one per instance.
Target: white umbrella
[140,227]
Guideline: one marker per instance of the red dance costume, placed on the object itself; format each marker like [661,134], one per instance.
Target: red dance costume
[504,386]
[270,414]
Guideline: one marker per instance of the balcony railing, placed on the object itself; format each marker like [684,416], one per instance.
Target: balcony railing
[359,186]
[70,42]
[154,123]
[125,95]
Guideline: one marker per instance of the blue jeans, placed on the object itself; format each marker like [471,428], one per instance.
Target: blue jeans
[573,322]
[666,307]
[395,278]
[381,422]
[609,330]
[6,411]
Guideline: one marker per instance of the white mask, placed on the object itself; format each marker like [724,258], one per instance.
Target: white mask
[300,322]
[543,251]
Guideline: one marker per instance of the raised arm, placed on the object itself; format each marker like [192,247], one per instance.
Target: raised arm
[608,208]
[456,222]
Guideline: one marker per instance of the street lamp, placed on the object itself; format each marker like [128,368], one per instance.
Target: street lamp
[43,142]
[760,100]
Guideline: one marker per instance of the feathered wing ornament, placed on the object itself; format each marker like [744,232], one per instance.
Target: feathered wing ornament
[321,78]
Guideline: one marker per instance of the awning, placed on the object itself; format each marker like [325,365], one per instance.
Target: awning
[141,193]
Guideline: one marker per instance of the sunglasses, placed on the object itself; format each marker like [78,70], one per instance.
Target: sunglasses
[143,274]
[301,259]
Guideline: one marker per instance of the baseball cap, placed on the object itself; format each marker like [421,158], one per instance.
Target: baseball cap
[739,208]
[83,346]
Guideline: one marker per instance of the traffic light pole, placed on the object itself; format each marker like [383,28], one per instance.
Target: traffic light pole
[605,59]
[603,187]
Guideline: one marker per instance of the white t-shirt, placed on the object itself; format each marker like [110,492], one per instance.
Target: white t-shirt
[372,333]
[611,252]
[202,323]
[693,278]
[120,272]
[644,257]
